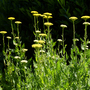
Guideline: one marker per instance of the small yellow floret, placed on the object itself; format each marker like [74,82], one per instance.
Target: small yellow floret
[16,37]
[43,34]
[37,15]
[41,41]
[63,26]
[8,37]
[86,23]
[48,23]
[24,50]
[18,22]
[11,18]
[73,18]
[3,32]
[36,46]
[47,13]
[48,17]
[34,12]
[85,17]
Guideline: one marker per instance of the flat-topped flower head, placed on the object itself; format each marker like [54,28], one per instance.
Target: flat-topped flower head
[48,17]
[16,37]
[24,61]
[41,41]
[18,22]
[43,34]
[37,14]
[3,32]
[73,18]
[59,40]
[63,26]
[24,49]
[35,40]
[36,46]
[8,37]
[17,57]
[11,18]
[42,51]
[37,31]
[86,23]
[42,15]
[34,12]
[85,17]
[47,13]
[48,23]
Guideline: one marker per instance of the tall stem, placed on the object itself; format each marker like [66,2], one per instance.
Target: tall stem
[74,36]
[63,39]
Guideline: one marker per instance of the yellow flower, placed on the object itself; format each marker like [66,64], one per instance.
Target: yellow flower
[24,61]
[16,37]
[43,34]
[41,41]
[63,26]
[36,46]
[42,15]
[18,22]
[86,23]
[73,18]
[3,32]
[47,13]
[11,18]
[38,31]
[8,37]
[34,12]
[37,15]
[48,23]
[35,40]
[59,40]
[85,17]
[48,17]
[24,50]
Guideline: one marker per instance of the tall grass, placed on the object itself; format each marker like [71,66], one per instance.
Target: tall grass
[51,71]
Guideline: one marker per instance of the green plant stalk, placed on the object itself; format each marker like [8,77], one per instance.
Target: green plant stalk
[18,29]
[63,40]
[74,43]
[35,23]
[85,39]
[48,27]
[12,30]
[3,44]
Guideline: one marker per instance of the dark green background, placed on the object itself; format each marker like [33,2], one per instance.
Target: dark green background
[61,11]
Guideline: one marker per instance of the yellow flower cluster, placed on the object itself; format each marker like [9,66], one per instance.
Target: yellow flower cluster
[48,23]
[36,46]
[47,13]
[3,32]
[73,18]
[43,34]
[8,37]
[18,22]
[11,18]
[41,41]
[63,26]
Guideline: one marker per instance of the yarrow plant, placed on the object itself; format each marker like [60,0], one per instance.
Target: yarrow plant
[50,70]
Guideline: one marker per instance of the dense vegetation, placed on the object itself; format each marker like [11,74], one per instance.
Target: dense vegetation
[61,11]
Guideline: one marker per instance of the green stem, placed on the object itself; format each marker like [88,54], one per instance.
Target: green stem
[35,23]
[12,29]
[74,35]
[63,40]
[3,44]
